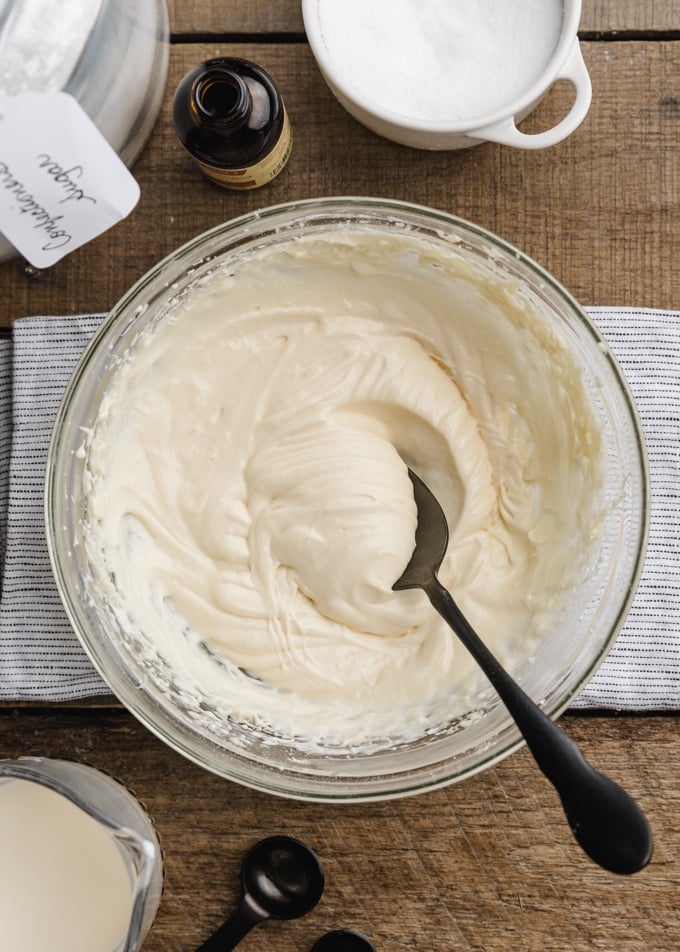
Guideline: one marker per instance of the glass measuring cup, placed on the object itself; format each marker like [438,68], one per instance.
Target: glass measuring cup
[112,818]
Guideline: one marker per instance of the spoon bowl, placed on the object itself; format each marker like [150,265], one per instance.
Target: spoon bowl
[606,821]
[343,940]
[282,878]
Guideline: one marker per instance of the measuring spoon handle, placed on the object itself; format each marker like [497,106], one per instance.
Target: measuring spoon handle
[239,924]
[606,821]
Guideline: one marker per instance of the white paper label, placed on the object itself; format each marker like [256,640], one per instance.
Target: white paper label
[61,183]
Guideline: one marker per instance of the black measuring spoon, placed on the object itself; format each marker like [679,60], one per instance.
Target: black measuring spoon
[343,940]
[282,878]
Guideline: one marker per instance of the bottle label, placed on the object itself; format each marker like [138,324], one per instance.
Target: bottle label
[254,176]
[61,183]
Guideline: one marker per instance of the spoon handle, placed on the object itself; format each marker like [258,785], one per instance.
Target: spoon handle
[605,820]
[230,933]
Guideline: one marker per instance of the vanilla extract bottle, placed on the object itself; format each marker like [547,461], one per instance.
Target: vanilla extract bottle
[230,117]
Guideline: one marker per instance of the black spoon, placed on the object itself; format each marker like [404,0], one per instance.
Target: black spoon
[605,820]
[343,940]
[282,879]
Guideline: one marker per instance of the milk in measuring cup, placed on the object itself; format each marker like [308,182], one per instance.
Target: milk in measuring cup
[64,886]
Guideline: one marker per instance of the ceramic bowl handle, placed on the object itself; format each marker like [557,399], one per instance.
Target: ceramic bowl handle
[506,131]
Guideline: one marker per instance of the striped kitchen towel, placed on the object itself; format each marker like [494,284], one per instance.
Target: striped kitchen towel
[40,657]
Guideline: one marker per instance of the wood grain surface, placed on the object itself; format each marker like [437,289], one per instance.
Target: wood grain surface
[488,864]
[285,16]
[483,865]
[600,210]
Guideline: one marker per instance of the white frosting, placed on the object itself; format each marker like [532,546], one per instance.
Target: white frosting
[248,487]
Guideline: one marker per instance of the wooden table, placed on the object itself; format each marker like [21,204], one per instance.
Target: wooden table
[487,864]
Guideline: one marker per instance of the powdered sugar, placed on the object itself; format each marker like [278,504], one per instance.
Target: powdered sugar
[41,42]
[440,59]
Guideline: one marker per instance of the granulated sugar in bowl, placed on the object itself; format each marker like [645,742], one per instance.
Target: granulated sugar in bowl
[436,74]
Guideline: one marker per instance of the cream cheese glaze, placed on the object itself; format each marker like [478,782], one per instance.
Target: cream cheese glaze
[249,504]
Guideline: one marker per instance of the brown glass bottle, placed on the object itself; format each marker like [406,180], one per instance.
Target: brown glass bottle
[231,119]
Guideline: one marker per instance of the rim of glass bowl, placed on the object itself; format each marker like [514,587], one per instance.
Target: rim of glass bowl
[196,257]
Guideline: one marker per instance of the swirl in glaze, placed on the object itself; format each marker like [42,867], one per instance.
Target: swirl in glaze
[248,487]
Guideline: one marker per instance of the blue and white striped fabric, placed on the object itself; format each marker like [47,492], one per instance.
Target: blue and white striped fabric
[642,670]
[40,657]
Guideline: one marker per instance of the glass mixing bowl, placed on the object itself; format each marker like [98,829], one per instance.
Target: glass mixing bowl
[559,664]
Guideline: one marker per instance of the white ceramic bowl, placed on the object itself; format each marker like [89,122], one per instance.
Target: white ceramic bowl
[352,90]
[559,665]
